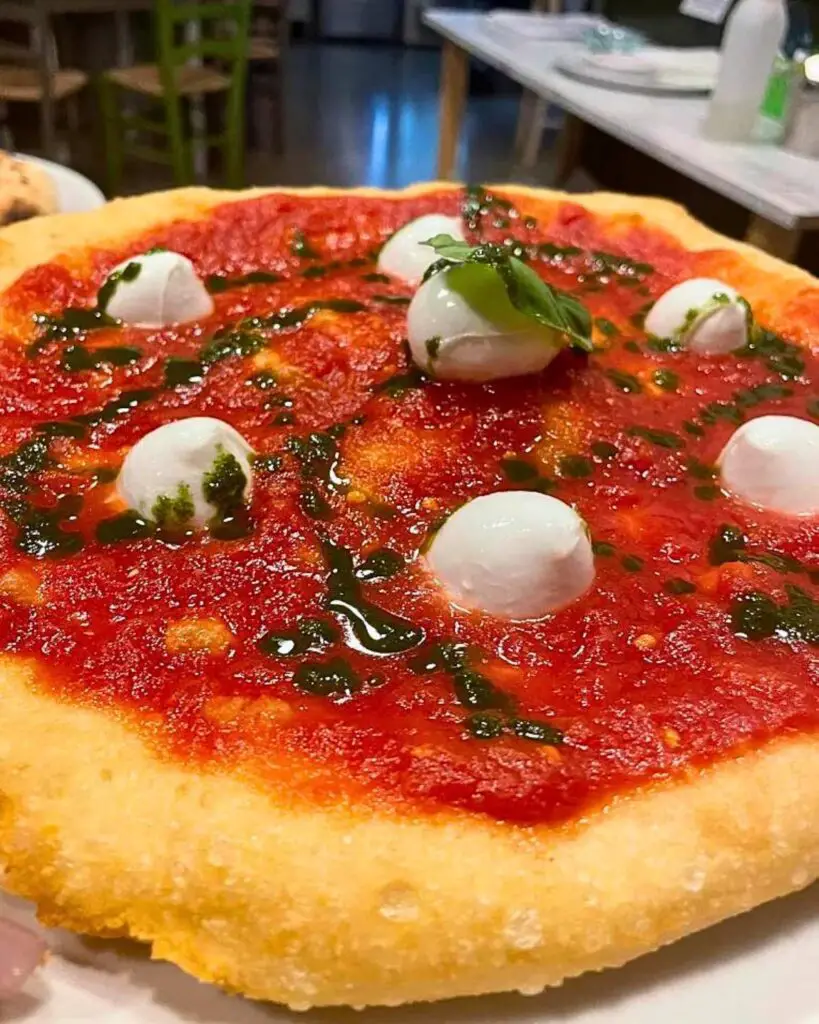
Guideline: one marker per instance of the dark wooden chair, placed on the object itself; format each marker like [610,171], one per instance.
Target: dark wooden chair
[30,73]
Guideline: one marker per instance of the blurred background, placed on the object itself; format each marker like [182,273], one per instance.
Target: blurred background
[143,94]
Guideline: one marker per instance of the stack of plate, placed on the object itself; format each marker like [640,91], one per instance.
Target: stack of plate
[654,69]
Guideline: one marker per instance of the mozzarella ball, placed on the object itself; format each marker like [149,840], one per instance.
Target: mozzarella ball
[513,554]
[404,255]
[163,290]
[462,326]
[704,315]
[773,462]
[164,475]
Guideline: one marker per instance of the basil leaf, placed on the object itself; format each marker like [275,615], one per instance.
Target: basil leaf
[527,291]
[450,249]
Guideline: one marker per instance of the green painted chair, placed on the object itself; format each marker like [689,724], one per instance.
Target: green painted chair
[202,48]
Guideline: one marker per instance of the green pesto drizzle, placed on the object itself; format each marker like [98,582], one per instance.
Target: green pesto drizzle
[374,629]
[173,511]
[267,463]
[666,379]
[73,321]
[244,338]
[130,272]
[604,450]
[179,371]
[729,544]
[576,467]
[525,474]
[472,689]
[661,438]
[478,694]
[606,327]
[314,505]
[40,530]
[79,357]
[626,382]
[679,586]
[263,380]
[223,487]
[400,383]
[218,283]
[128,525]
[302,248]
[756,616]
[782,357]
[335,678]
[318,457]
[312,636]
[479,203]
[379,565]
[65,328]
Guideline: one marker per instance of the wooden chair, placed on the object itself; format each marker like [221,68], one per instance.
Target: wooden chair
[31,73]
[187,35]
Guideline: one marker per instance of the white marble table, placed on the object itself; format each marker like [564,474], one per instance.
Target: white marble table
[779,188]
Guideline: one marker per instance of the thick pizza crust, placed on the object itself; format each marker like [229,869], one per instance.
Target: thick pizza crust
[359,905]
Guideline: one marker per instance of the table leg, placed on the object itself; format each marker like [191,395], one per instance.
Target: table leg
[454,71]
[567,153]
[772,238]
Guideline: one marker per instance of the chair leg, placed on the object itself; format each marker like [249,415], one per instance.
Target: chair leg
[48,127]
[113,134]
[181,151]
[534,139]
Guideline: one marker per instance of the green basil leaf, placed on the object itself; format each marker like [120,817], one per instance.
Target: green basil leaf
[450,249]
[527,292]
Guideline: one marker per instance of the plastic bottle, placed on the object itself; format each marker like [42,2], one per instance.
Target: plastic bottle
[753,37]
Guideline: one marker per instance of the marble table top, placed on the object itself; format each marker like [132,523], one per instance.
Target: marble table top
[771,182]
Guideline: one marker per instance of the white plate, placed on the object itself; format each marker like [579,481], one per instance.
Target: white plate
[760,968]
[654,70]
[530,27]
[75,193]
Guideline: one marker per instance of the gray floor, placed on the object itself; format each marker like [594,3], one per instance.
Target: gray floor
[367,115]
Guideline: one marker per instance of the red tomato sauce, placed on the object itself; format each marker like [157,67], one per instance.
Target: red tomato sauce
[640,678]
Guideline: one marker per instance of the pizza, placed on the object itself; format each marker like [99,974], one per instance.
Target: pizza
[404,595]
[26,190]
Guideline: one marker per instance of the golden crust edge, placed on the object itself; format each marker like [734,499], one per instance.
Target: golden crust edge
[108,839]
[354,905]
[38,241]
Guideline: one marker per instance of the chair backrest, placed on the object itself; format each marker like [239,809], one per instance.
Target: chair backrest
[192,32]
[41,51]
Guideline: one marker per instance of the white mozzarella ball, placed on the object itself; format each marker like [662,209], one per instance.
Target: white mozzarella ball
[705,315]
[773,462]
[404,255]
[514,554]
[171,465]
[164,290]
[462,326]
